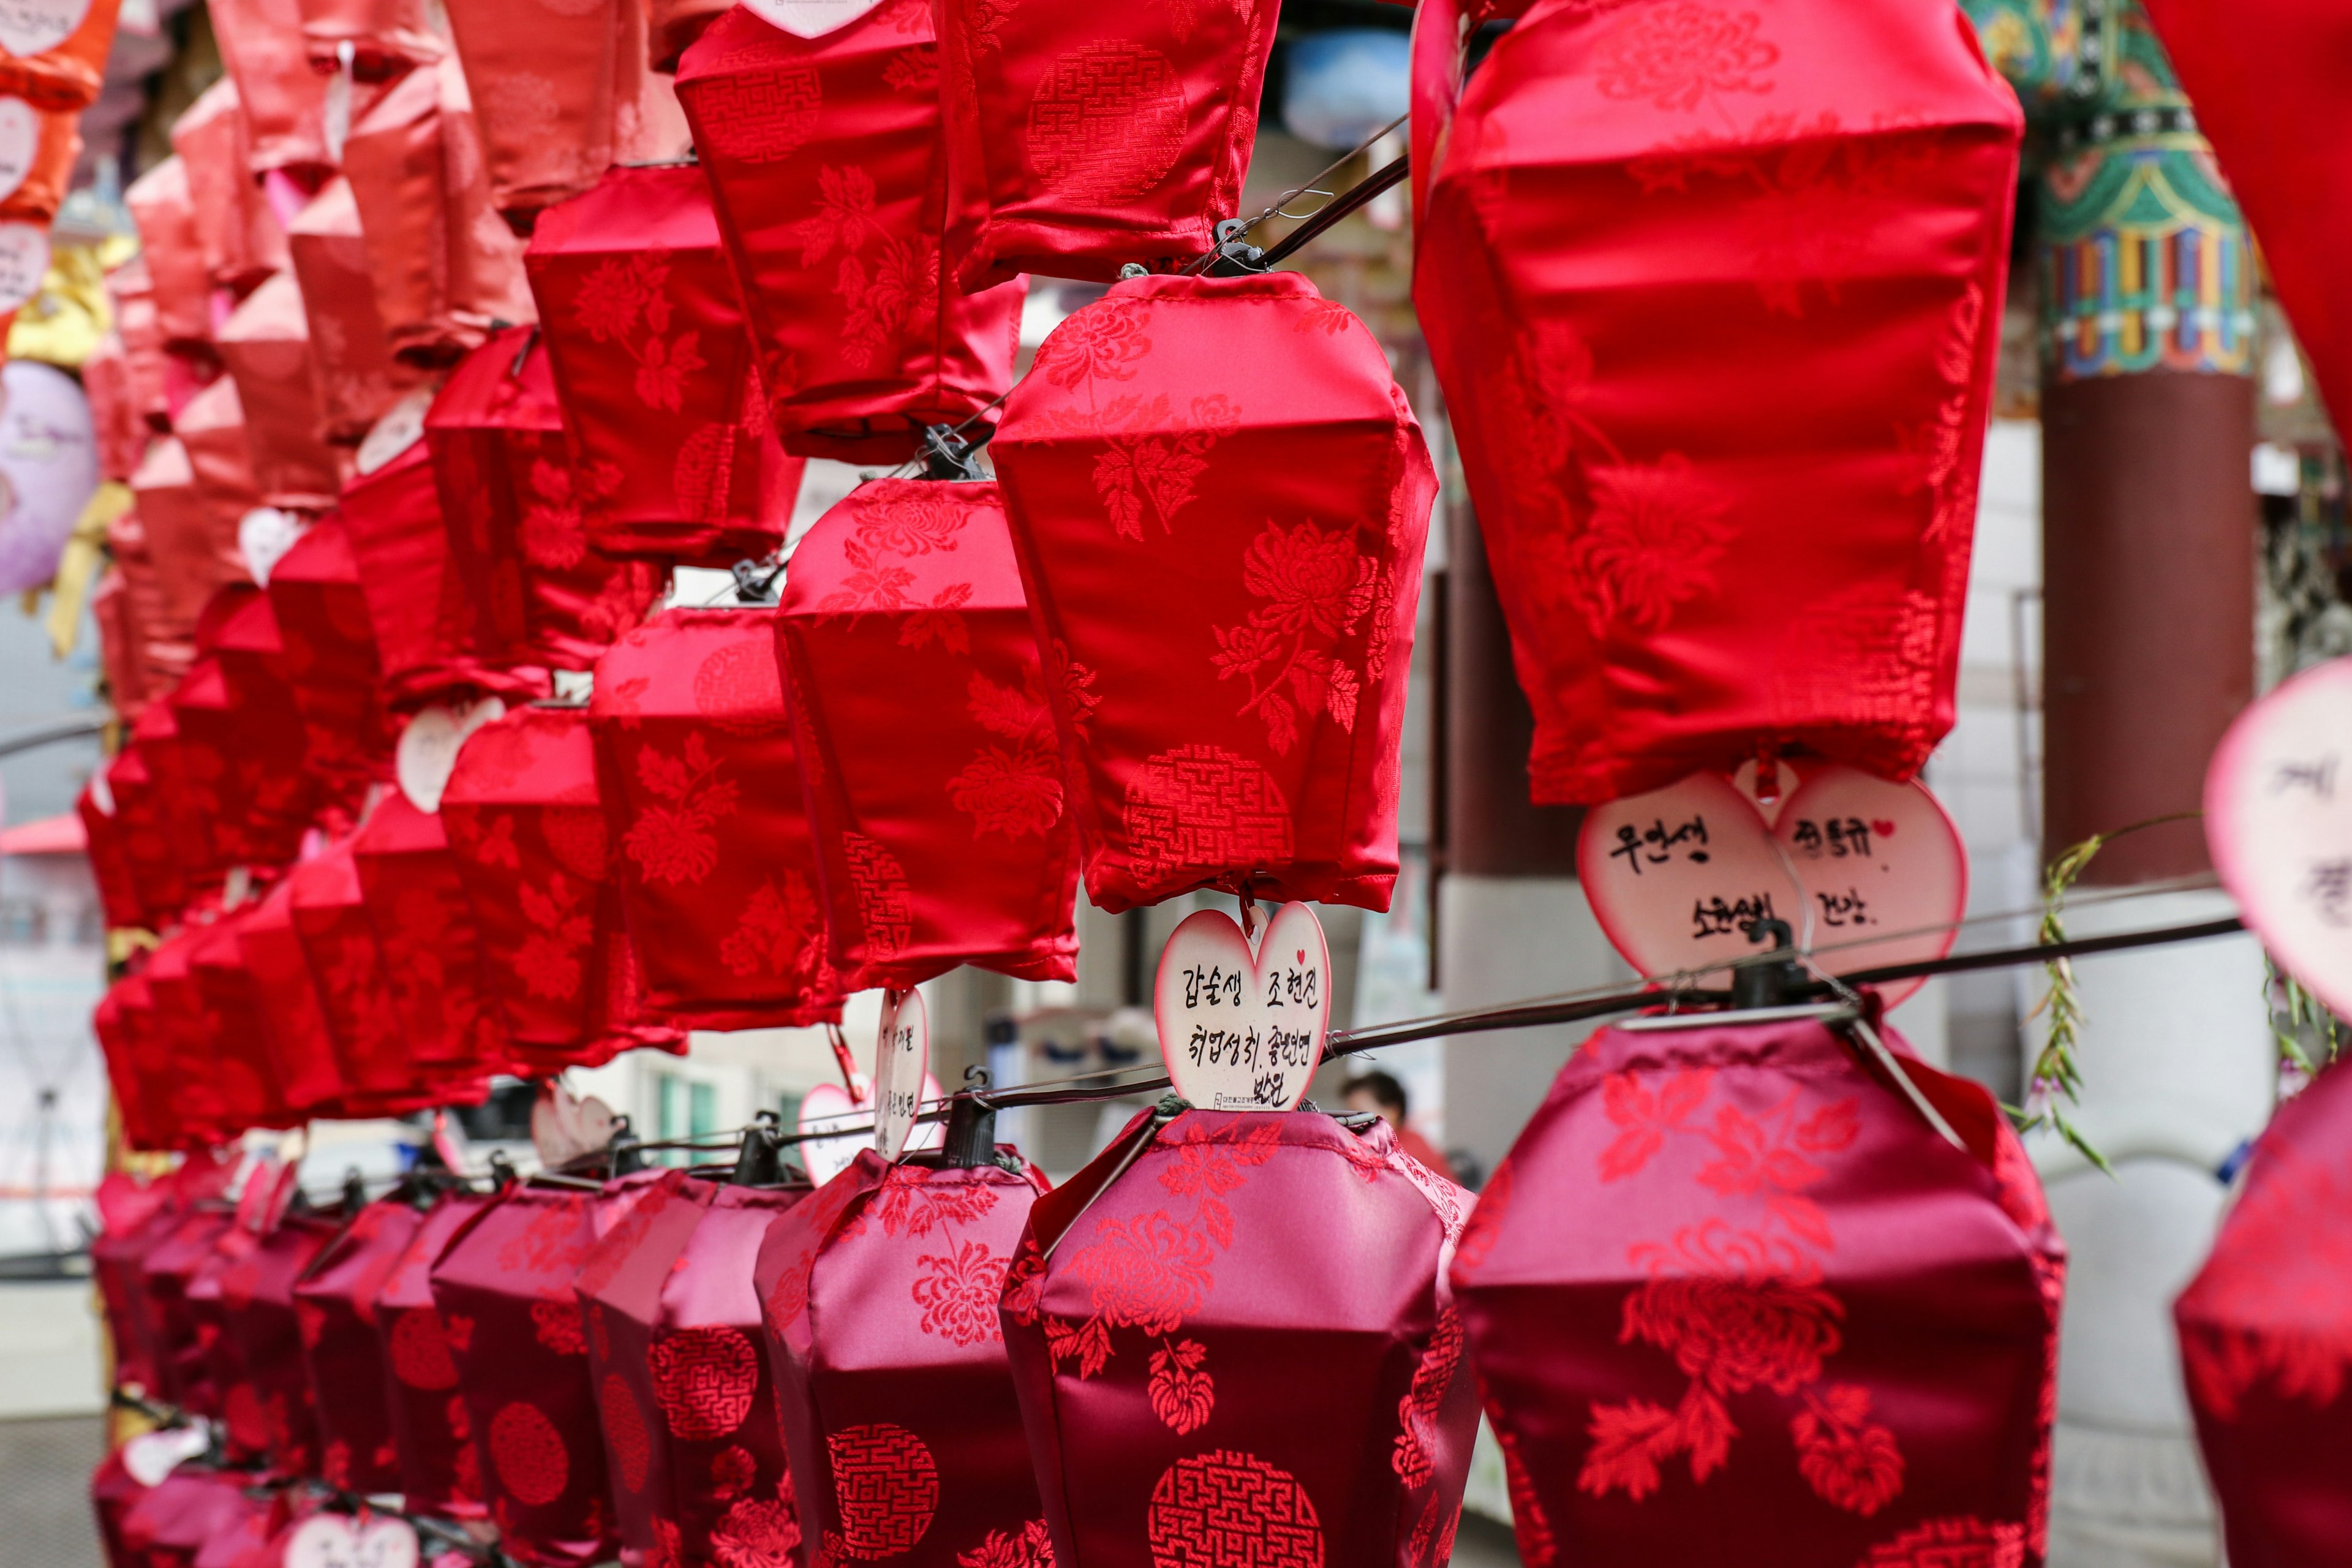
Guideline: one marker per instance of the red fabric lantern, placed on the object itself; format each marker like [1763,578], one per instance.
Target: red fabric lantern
[168,834]
[169,1525]
[899,1411]
[1259,678]
[154,1072]
[717,873]
[259,1316]
[824,156]
[512,505]
[285,102]
[943,840]
[1092,137]
[171,255]
[672,453]
[359,380]
[327,651]
[1244,1348]
[691,1438]
[296,1027]
[136,1218]
[190,539]
[109,857]
[440,1467]
[228,1021]
[2263,1331]
[521,812]
[523,1356]
[544,97]
[206,1115]
[1723,445]
[1730,1295]
[387,36]
[237,713]
[169,1264]
[114,1491]
[242,241]
[444,268]
[416,599]
[160,645]
[331,916]
[137,1082]
[350,1378]
[138,317]
[41,188]
[266,344]
[115,421]
[155,869]
[58,59]
[431,944]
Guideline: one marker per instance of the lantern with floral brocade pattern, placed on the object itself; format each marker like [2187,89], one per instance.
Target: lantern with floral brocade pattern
[295,1026]
[1714,296]
[261,1324]
[1235,1341]
[335,1309]
[1091,136]
[284,100]
[326,649]
[387,37]
[266,344]
[432,1433]
[1733,1295]
[825,161]
[920,719]
[164,1274]
[359,379]
[1223,567]
[330,917]
[241,240]
[702,798]
[431,943]
[171,258]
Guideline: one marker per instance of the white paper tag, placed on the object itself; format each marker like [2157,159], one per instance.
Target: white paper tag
[1242,1030]
[152,1455]
[902,1060]
[24,261]
[336,1540]
[401,427]
[809,18]
[263,535]
[822,1108]
[32,27]
[2278,819]
[427,752]
[20,142]
[563,1126]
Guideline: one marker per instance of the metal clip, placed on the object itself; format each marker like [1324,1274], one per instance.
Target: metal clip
[755,582]
[946,456]
[1236,258]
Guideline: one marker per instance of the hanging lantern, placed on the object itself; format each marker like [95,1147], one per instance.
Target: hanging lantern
[1199,1365]
[347,965]
[649,125]
[1730,507]
[146,653]
[544,97]
[1091,138]
[171,255]
[296,1028]
[335,1306]
[284,100]
[56,56]
[716,871]
[1729,1273]
[672,454]
[431,944]
[134,1223]
[327,652]
[905,599]
[147,1064]
[359,380]
[824,156]
[2261,1331]
[171,1264]
[237,715]
[117,423]
[229,1022]
[111,865]
[167,804]
[511,503]
[521,813]
[242,241]
[523,1362]
[691,1438]
[443,267]
[43,146]
[169,1525]
[178,1021]
[440,1467]
[266,344]
[147,842]
[386,36]
[1259,679]
[191,540]
[258,1317]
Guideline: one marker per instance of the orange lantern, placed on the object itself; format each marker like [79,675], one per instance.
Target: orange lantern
[285,101]
[54,55]
[37,150]
[242,241]
[266,342]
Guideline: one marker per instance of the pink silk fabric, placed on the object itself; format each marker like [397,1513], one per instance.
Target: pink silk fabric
[432,1430]
[335,1306]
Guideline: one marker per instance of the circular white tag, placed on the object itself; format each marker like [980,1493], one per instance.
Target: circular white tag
[20,142]
[1242,1030]
[34,26]
[24,261]
[427,751]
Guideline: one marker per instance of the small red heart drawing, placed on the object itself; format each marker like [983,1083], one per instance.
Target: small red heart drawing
[1883,828]
[1302,956]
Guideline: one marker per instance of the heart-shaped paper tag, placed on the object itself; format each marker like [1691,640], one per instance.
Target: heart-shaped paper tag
[1242,1030]
[2278,819]
[902,1061]
[824,1108]
[427,751]
[1867,871]
[563,1126]
[20,142]
[33,26]
[809,18]
[263,535]
[24,259]
[401,427]
[152,1455]
[337,1540]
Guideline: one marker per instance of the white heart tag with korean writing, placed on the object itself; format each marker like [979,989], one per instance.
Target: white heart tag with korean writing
[336,1540]
[827,1107]
[1242,1030]
[902,1060]
[1868,871]
[2278,819]
[809,18]
[427,751]
[24,261]
[20,143]
[35,27]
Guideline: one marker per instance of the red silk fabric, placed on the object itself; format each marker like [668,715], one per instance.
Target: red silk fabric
[672,453]
[299,1035]
[327,651]
[386,36]
[265,1335]
[171,255]
[167,836]
[138,1084]
[672,25]
[111,865]
[165,1274]
[432,1432]
[241,240]
[880,1299]
[335,1304]
[920,718]
[41,189]
[347,965]
[190,538]
[523,816]
[543,90]
[1091,136]
[540,593]
[716,872]
[65,74]
[1731,1296]
[825,161]
[266,344]
[284,100]
[1227,580]
[2262,75]
[228,1031]
[431,943]
[691,1438]
[1714,297]
[1244,1348]
[2266,1335]
[359,380]
[503,1286]
[237,715]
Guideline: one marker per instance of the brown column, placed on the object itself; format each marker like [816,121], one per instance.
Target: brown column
[2148,552]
